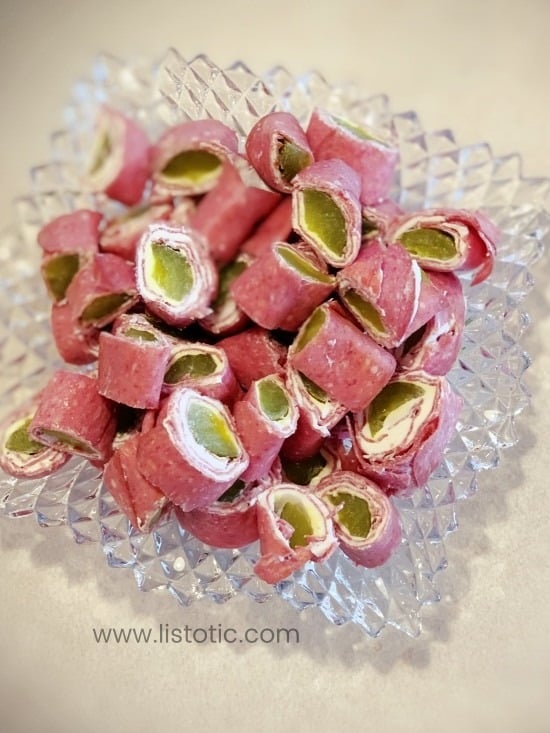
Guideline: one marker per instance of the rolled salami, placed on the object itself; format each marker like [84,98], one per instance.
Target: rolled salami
[119,164]
[373,157]
[253,354]
[227,214]
[201,367]
[294,527]
[278,149]
[189,157]
[73,417]
[449,239]
[345,362]
[141,501]
[326,211]
[68,242]
[368,289]
[264,418]
[20,454]
[276,227]
[310,471]
[435,346]
[283,286]
[226,316]
[76,342]
[122,234]
[399,439]
[193,454]
[132,361]
[77,231]
[230,521]
[366,522]
[102,290]
[175,275]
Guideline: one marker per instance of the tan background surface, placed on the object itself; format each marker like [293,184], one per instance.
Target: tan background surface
[483,662]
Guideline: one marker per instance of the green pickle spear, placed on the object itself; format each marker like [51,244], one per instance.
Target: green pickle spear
[324,221]
[211,430]
[394,395]
[427,243]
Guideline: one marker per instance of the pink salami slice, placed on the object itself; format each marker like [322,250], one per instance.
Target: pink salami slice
[368,289]
[294,527]
[365,520]
[189,157]
[372,156]
[253,354]
[326,211]
[202,367]
[400,438]
[264,418]
[341,359]
[229,522]
[193,454]
[434,347]
[276,227]
[283,286]
[278,149]
[75,342]
[73,417]
[132,362]
[226,317]
[122,234]
[449,239]
[20,454]
[141,501]
[102,290]
[119,164]
[77,231]
[227,214]
[175,274]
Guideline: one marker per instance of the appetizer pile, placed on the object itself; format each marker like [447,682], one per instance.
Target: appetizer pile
[262,335]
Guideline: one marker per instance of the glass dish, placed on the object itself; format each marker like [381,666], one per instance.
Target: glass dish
[434,171]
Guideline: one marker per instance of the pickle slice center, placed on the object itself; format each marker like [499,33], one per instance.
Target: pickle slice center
[211,430]
[58,272]
[19,440]
[311,328]
[365,311]
[324,221]
[192,166]
[302,265]
[103,306]
[427,243]
[292,158]
[354,514]
[273,399]
[192,366]
[393,396]
[171,271]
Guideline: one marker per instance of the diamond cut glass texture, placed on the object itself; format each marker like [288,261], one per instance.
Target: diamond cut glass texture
[434,171]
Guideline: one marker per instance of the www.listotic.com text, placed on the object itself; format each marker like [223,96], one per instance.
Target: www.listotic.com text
[213,634]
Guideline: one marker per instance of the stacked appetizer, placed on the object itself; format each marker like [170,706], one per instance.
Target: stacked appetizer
[264,335]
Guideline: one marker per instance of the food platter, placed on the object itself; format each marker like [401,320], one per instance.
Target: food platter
[434,171]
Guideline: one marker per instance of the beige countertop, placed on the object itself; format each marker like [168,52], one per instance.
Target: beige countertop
[483,659]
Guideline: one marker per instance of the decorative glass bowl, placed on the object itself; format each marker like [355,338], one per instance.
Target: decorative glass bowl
[434,171]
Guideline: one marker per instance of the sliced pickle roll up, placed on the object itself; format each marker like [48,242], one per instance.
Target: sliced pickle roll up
[400,438]
[283,286]
[435,346]
[449,239]
[226,316]
[189,156]
[230,521]
[75,342]
[341,359]
[276,227]
[326,211]
[122,234]
[295,527]
[139,499]
[193,454]
[227,214]
[132,361]
[278,149]
[365,520]
[119,163]
[20,454]
[202,367]
[309,471]
[175,274]
[68,242]
[73,417]
[264,418]
[318,413]
[382,290]
[253,354]
[102,290]
[372,155]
